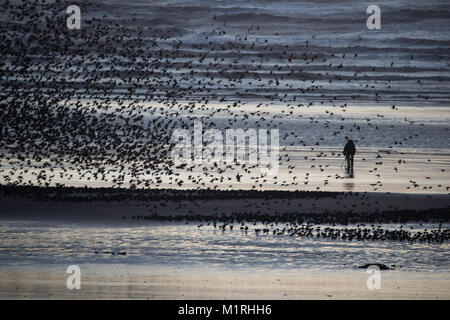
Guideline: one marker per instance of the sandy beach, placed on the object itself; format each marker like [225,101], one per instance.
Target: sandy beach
[223,285]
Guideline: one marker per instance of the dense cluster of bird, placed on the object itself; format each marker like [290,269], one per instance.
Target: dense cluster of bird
[97,106]
[79,194]
[330,224]
[333,218]
[360,232]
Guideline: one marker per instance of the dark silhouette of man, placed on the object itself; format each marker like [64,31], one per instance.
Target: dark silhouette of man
[349,153]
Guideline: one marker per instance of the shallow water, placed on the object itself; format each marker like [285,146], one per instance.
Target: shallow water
[156,246]
[414,37]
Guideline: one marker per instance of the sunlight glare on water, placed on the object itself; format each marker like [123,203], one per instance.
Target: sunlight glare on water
[156,245]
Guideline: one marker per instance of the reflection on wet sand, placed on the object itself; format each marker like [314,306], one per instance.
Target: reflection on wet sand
[348,186]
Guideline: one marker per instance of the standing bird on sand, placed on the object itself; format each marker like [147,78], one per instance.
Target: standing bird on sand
[349,153]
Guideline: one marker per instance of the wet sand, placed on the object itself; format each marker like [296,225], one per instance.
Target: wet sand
[23,208]
[321,169]
[224,285]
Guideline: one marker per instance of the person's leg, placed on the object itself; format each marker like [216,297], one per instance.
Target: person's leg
[347,167]
[351,163]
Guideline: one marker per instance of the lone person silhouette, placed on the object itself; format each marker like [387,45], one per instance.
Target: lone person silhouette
[349,152]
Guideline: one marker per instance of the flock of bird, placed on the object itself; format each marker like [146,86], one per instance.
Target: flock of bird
[276,225]
[191,207]
[97,106]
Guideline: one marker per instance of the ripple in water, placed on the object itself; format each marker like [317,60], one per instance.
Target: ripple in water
[26,244]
